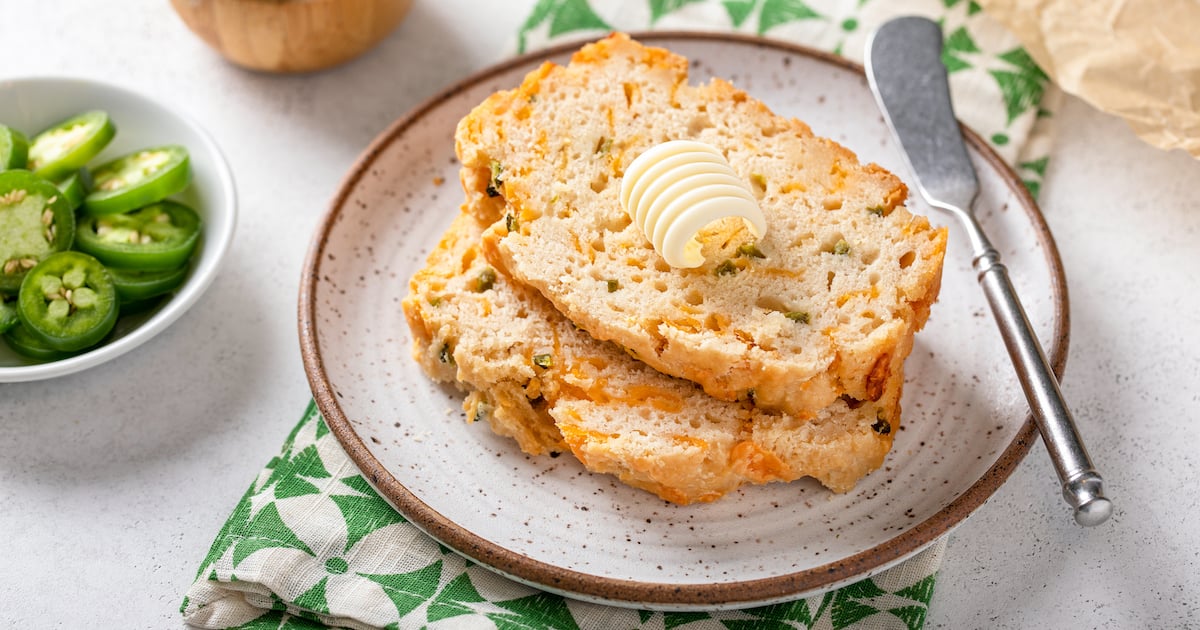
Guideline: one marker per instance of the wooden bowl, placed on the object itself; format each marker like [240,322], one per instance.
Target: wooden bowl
[291,35]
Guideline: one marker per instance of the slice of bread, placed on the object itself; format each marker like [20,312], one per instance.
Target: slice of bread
[825,304]
[537,378]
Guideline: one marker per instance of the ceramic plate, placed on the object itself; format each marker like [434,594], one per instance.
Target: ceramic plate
[546,521]
[32,104]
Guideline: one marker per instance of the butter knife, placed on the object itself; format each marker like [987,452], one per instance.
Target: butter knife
[905,71]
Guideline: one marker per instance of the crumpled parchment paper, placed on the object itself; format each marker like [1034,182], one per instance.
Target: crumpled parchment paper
[1138,59]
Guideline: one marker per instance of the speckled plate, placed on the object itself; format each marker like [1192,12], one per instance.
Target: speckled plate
[546,521]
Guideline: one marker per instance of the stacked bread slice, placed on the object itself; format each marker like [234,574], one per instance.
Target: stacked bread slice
[778,358]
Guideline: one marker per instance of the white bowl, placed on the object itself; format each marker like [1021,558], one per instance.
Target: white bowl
[32,104]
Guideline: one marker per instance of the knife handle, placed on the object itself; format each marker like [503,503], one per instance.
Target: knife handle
[1082,486]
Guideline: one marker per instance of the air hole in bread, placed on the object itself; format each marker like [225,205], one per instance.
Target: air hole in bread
[631,91]
[637,277]
[661,265]
[772,303]
[617,221]
[829,281]
[660,286]
[600,182]
[598,245]
[758,185]
[869,254]
[832,203]
[694,297]
[699,123]
[830,242]
[801,239]
[873,278]
[907,259]
[867,326]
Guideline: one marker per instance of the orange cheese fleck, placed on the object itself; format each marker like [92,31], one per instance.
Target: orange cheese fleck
[871,293]
[690,441]
[757,464]
[793,187]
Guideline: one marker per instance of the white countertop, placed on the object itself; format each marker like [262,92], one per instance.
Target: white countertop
[114,481]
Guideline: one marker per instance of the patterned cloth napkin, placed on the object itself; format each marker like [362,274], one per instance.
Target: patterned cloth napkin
[311,544]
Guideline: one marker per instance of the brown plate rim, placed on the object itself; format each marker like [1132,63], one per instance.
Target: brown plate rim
[631,592]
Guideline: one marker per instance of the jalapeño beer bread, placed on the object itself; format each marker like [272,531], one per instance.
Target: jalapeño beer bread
[537,378]
[823,308]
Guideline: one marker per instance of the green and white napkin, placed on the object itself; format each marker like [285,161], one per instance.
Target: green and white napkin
[311,544]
